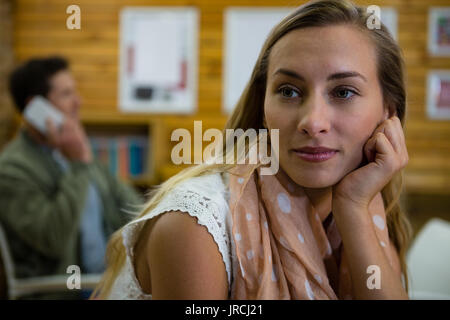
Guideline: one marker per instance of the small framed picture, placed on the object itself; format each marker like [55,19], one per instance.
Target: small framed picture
[158,59]
[439,31]
[438,94]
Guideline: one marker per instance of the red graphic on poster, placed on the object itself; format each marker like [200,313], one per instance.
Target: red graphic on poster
[444,94]
[443,32]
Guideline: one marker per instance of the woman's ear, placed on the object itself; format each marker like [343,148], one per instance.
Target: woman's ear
[389,111]
[386,114]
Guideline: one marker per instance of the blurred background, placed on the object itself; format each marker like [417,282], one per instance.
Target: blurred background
[30,28]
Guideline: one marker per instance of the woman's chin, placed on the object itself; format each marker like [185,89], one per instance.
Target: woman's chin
[315,181]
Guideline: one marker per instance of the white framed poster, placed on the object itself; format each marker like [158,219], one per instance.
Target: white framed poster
[246,29]
[158,59]
[438,94]
[439,31]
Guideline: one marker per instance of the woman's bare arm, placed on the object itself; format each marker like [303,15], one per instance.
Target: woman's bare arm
[184,260]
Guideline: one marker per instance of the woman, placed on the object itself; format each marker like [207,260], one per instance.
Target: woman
[327,225]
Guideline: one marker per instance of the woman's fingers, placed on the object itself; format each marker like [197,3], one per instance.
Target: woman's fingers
[383,147]
[369,149]
[393,131]
[386,156]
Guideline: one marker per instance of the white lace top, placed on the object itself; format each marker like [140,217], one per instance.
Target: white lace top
[204,197]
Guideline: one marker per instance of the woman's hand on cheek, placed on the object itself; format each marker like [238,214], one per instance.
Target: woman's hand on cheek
[386,154]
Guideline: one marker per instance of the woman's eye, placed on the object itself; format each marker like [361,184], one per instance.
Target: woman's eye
[344,93]
[288,92]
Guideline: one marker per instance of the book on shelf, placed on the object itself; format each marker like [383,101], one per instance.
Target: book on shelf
[125,156]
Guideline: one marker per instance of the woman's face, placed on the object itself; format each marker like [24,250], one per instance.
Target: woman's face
[322,91]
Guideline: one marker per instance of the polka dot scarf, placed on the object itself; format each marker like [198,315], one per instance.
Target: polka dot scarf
[283,250]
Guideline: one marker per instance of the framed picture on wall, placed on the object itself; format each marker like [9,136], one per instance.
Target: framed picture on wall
[438,94]
[158,60]
[242,48]
[439,31]
[389,18]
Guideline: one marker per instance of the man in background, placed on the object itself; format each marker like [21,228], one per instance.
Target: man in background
[58,205]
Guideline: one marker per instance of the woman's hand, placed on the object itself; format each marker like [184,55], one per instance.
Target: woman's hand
[386,154]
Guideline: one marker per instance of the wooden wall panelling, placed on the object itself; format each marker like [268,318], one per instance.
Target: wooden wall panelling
[93,51]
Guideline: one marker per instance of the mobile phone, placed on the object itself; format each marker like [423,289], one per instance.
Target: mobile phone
[38,110]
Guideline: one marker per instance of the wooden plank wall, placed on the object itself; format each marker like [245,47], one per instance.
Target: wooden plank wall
[8,120]
[40,29]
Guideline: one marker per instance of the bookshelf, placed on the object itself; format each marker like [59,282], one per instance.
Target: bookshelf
[156,129]
[129,145]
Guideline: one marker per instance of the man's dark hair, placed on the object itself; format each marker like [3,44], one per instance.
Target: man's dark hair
[32,78]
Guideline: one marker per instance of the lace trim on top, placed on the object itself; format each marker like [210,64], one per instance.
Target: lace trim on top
[202,197]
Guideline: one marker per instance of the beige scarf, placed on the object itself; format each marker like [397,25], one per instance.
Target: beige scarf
[283,251]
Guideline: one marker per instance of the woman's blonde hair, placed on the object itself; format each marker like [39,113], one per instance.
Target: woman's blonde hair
[249,114]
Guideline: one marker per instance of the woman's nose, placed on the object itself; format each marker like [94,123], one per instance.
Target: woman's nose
[314,117]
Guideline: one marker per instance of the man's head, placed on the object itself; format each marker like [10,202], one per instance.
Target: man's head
[48,77]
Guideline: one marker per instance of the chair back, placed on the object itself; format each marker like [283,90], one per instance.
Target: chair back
[6,265]
[428,262]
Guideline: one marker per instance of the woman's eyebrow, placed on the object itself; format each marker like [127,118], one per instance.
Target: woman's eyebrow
[289,73]
[334,76]
[346,74]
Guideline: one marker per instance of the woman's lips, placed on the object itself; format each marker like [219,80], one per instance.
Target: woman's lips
[315,154]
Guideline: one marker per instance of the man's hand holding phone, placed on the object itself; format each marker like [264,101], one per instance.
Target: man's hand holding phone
[59,130]
[386,155]
[70,138]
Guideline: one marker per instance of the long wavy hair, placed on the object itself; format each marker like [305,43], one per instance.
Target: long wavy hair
[249,114]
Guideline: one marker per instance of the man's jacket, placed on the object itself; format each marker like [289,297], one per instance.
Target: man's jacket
[41,206]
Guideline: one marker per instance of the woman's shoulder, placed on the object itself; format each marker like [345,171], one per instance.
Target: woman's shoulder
[188,266]
[203,198]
